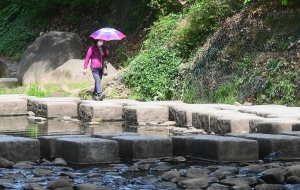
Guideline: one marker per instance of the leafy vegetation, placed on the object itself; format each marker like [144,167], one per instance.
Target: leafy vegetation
[16,31]
[152,73]
[277,84]
[283,2]
[156,73]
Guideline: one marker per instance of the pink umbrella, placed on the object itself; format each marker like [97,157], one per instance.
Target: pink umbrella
[107,34]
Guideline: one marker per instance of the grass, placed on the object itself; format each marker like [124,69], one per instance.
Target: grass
[45,90]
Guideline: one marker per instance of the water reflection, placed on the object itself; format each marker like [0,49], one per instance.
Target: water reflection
[105,127]
[24,127]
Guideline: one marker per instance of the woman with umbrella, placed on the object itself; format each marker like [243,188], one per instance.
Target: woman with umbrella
[96,53]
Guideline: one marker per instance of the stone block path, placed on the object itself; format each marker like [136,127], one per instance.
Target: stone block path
[217,132]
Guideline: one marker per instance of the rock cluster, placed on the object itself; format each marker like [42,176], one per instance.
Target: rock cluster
[166,173]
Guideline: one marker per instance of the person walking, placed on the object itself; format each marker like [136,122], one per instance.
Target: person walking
[96,53]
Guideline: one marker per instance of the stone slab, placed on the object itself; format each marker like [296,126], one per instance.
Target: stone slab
[285,115]
[9,82]
[12,106]
[183,145]
[224,149]
[53,108]
[48,144]
[268,143]
[87,150]
[101,110]
[19,148]
[262,110]
[183,114]
[201,119]
[144,146]
[37,105]
[167,104]
[243,135]
[146,114]
[223,125]
[277,126]
[111,135]
[292,133]
[206,119]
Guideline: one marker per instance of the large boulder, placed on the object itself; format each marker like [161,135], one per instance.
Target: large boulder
[47,52]
[71,72]
[4,71]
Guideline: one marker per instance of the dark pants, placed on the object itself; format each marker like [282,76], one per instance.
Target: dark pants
[97,74]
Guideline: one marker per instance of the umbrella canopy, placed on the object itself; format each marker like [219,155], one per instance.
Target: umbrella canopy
[107,34]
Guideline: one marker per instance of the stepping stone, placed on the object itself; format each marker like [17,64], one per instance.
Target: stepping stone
[13,106]
[278,126]
[19,148]
[242,135]
[201,119]
[87,150]
[144,146]
[262,110]
[183,145]
[224,149]
[57,109]
[167,104]
[221,121]
[293,133]
[183,114]
[9,82]
[100,110]
[233,123]
[111,135]
[48,144]
[146,114]
[286,115]
[123,102]
[268,143]
[54,107]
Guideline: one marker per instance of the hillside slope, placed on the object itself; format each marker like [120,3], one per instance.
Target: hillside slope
[254,56]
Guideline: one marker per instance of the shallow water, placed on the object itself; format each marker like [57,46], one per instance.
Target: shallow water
[21,126]
[110,176]
[95,174]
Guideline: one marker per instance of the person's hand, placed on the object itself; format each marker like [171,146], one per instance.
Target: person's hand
[107,52]
[84,71]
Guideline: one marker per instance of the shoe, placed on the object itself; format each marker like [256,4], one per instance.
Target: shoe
[101,97]
[95,97]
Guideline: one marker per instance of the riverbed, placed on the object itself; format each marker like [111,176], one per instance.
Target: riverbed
[126,175]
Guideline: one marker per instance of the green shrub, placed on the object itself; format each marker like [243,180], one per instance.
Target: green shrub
[226,94]
[153,72]
[202,19]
